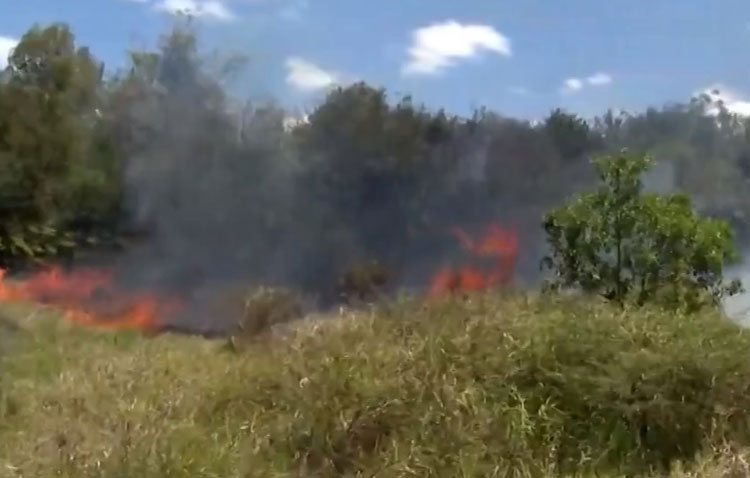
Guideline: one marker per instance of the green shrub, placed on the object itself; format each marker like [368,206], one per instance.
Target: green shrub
[626,245]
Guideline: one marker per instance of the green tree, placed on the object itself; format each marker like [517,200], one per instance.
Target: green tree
[570,134]
[630,246]
[372,170]
[50,173]
[521,160]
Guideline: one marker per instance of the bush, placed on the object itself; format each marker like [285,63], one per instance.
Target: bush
[626,245]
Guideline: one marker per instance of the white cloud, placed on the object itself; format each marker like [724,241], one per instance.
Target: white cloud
[599,79]
[307,76]
[572,84]
[732,100]
[7,44]
[197,8]
[438,46]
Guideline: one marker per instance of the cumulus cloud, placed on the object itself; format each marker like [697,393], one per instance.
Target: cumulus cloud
[213,9]
[439,46]
[572,85]
[304,75]
[599,79]
[733,101]
[7,44]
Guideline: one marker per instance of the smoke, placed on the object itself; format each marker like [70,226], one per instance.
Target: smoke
[231,197]
[205,187]
[225,197]
[229,200]
[661,179]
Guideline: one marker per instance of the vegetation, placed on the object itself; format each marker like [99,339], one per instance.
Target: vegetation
[264,308]
[363,282]
[87,157]
[627,245]
[490,386]
[346,203]
[52,183]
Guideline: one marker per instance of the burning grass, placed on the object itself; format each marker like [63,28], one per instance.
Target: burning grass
[490,386]
[497,244]
[89,297]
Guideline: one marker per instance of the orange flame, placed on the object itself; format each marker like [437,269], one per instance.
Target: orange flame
[496,242]
[86,297]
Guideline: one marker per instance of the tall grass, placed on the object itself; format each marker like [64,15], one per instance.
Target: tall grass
[491,386]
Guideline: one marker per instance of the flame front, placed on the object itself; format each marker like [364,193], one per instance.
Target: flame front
[498,243]
[87,297]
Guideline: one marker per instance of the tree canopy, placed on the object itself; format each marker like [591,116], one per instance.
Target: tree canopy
[627,245]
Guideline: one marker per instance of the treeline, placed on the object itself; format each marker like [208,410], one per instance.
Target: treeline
[159,156]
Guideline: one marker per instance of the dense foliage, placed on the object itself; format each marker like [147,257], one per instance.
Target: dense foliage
[160,151]
[54,179]
[625,244]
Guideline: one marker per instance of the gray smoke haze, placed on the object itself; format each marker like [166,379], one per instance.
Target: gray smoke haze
[662,179]
[228,197]
[199,186]
[223,201]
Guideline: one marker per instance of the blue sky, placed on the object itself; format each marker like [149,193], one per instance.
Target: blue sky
[519,57]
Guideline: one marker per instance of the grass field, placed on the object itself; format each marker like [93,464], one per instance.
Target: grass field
[491,386]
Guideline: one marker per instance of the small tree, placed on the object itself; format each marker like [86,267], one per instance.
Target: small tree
[627,245]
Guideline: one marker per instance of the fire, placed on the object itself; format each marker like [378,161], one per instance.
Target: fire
[87,297]
[496,242]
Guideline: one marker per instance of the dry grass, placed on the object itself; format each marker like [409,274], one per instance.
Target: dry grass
[494,386]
